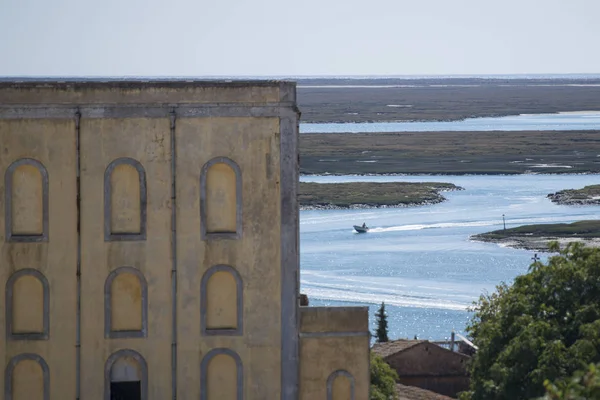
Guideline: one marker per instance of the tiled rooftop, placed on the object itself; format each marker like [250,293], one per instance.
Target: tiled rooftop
[394,346]
[415,393]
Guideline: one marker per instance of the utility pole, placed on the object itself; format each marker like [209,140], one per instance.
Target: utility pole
[503,221]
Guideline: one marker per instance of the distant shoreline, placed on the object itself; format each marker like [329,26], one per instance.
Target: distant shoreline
[589,195]
[391,121]
[363,195]
[451,153]
[458,119]
[538,237]
[442,98]
[540,244]
[447,174]
[366,206]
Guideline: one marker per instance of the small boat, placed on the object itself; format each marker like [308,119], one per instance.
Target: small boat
[361,229]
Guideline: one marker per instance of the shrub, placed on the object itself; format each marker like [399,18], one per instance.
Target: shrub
[383,380]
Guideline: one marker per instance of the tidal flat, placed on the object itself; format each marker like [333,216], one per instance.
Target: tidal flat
[589,195]
[538,237]
[440,99]
[320,196]
[451,153]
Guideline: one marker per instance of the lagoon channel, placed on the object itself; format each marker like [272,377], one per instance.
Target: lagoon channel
[566,121]
[419,260]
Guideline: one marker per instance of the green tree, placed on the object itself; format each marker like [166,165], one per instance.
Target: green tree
[382,326]
[383,380]
[544,327]
[583,385]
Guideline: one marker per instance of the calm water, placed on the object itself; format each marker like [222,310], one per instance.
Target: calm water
[419,259]
[526,122]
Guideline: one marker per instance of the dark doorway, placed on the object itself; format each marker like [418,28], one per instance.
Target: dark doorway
[126,390]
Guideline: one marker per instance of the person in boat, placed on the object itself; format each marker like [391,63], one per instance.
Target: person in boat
[364,225]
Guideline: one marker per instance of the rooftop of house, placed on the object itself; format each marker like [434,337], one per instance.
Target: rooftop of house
[415,393]
[387,349]
[394,346]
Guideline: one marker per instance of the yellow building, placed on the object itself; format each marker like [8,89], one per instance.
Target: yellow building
[149,247]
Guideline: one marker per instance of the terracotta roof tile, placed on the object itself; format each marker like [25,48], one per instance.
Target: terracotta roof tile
[415,393]
[394,346]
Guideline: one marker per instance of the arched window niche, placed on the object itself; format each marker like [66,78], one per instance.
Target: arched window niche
[221,302]
[337,389]
[27,306]
[125,200]
[26,201]
[125,304]
[35,384]
[221,200]
[126,376]
[221,375]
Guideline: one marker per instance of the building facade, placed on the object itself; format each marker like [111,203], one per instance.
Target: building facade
[149,247]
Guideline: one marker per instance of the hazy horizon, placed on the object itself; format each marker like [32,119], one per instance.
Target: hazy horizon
[371,77]
[270,38]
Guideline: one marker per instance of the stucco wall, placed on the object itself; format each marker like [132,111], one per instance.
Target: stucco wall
[138,151]
[102,141]
[153,236]
[152,93]
[254,146]
[334,353]
[51,143]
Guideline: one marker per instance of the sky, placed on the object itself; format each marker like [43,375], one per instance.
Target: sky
[307,37]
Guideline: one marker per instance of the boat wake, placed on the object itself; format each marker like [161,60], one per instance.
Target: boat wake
[417,227]
[398,300]
[394,291]
[442,225]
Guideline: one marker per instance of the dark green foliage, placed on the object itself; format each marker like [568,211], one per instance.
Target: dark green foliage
[583,229]
[583,385]
[586,195]
[382,326]
[545,326]
[383,380]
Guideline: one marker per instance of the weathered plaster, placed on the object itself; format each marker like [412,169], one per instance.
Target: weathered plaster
[204,366]
[110,91]
[331,379]
[172,128]
[239,330]
[109,333]
[238,200]
[108,232]
[52,143]
[8,197]
[173,146]
[45,334]
[148,142]
[338,337]
[8,374]
[290,257]
[256,256]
